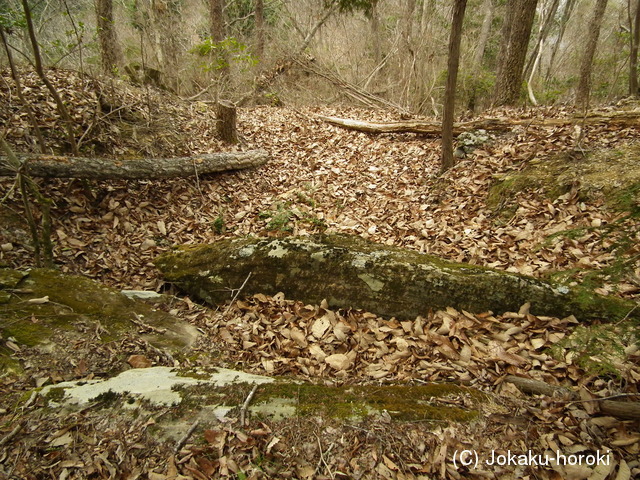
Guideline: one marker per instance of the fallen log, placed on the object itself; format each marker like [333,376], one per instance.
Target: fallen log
[624,119]
[608,407]
[130,169]
[349,271]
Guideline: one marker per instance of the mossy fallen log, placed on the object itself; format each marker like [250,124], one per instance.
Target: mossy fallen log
[349,271]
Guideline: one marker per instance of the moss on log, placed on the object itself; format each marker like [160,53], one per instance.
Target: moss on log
[352,272]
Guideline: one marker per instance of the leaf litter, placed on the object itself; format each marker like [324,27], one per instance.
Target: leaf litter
[323,178]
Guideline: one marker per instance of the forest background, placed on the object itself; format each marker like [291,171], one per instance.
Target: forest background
[390,53]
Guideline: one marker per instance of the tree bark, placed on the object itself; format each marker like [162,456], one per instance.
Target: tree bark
[260,30]
[349,271]
[167,21]
[566,14]
[227,130]
[545,28]
[218,32]
[144,168]
[110,52]
[448,113]
[633,55]
[593,33]
[514,50]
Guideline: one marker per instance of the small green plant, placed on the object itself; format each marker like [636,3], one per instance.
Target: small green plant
[218,225]
[597,349]
[280,220]
[303,198]
[223,53]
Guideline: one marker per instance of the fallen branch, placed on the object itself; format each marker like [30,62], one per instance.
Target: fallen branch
[245,405]
[11,434]
[186,436]
[143,168]
[624,119]
[609,407]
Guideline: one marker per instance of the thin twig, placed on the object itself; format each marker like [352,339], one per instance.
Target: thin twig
[184,439]
[245,405]
[237,293]
[322,460]
[11,434]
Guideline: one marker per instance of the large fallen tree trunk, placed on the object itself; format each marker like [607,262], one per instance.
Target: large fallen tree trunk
[628,119]
[142,168]
[349,271]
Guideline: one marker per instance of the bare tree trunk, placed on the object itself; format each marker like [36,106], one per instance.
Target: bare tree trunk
[633,56]
[167,20]
[545,28]
[489,9]
[593,33]
[450,88]
[16,78]
[62,109]
[218,33]
[566,14]
[107,37]
[509,80]
[374,22]
[478,55]
[260,31]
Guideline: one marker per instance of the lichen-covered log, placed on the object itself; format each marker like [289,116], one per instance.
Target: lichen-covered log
[352,272]
[52,166]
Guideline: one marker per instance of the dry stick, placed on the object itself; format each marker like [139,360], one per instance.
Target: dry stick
[237,293]
[322,460]
[11,434]
[615,409]
[245,405]
[186,436]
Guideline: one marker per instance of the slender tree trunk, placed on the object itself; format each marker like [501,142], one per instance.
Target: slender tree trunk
[566,14]
[545,28]
[107,37]
[62,109]
[16,78]
[593,33]
[633,56]
[374,22]
[260,31]
[485,31]
[450,88]
[478,54]
[515,44]
[167,21]
[218,33]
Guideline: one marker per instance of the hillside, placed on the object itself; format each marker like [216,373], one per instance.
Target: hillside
[531,200]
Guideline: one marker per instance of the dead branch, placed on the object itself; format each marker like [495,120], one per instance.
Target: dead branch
[623,119]
[609,407]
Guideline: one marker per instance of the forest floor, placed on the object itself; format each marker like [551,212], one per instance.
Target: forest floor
[578,222]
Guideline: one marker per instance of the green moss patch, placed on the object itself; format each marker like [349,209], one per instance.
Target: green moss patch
[612,173]
[43,303]
[355,402]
